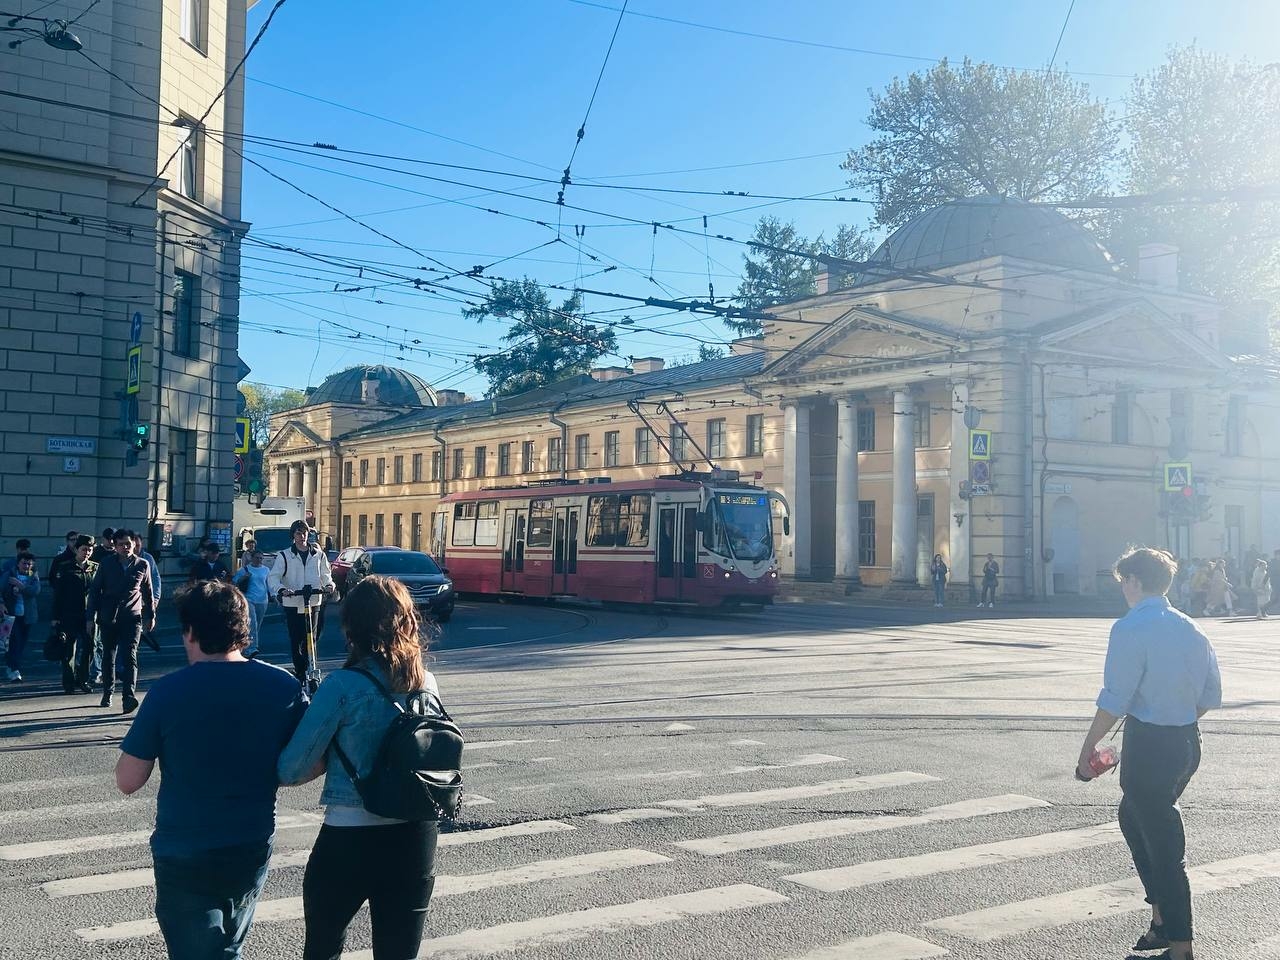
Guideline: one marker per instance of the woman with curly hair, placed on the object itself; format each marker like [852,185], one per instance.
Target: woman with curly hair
[358,856]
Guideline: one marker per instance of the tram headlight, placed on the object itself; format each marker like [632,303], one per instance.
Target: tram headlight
[727,574]
[774,574]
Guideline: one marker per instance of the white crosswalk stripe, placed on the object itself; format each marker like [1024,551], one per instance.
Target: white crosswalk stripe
[129,879]
[54,783]
[882,946]
[1102,900]
[75,811]
[290,908]
[849,826]
[674,808]
[566,927]
[958,858]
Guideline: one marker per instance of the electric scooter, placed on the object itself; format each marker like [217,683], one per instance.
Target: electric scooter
[313,665]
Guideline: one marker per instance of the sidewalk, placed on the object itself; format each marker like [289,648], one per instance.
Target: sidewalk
[897,596]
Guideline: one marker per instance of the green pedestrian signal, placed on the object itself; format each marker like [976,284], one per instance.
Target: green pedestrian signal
[140,437]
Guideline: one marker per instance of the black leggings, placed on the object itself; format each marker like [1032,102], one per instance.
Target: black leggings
[1156,765]
[392,867]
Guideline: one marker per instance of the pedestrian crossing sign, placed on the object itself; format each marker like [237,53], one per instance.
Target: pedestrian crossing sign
[133,383]
[979,444]
[1177,476]
[242,435]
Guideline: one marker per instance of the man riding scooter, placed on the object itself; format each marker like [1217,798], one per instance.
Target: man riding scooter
[300,581]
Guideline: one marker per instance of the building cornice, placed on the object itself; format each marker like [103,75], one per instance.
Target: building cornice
[113,174]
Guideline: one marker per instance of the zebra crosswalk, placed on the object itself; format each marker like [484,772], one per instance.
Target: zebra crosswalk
[690,873]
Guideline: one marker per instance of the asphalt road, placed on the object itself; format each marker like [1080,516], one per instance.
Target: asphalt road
[815,781]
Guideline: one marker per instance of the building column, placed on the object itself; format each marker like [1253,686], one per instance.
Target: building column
[847,489]
[295,479]
[795,482]
[905,549]
[307,470]
[960,522]
[282,480]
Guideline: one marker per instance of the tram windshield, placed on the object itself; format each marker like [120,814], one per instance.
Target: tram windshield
[740,526]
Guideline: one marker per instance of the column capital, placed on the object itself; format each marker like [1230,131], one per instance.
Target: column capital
[793,402]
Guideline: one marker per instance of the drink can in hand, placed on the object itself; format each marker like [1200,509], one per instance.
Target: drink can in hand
[1103,759]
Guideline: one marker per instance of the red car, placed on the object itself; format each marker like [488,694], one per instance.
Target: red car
[340,566]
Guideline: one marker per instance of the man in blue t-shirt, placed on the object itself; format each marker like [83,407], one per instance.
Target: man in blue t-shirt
[216,728]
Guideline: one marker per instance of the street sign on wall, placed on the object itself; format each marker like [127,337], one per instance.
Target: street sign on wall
[239,468]
[134,382]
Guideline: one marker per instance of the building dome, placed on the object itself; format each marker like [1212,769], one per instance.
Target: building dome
[962,231]
[369,384]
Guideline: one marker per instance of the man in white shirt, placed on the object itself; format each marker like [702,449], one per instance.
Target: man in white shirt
[295,569]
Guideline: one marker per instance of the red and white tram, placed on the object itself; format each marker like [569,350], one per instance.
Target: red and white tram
[694,539]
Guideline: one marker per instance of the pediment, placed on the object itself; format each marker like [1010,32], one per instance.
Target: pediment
[865,335]
[1135,333]
[295,435]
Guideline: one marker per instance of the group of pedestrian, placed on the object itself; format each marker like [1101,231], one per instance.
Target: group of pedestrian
[938,572]
[209,866]
[1219,586]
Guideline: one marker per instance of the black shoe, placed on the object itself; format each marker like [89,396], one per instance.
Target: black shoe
[130,704]
[85,688]
[105,701]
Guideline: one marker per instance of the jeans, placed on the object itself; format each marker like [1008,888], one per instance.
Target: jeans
[1155,767]
[205,902]
[257,613]
[124,638]
[296,622]
[97,653]
[939,591]
[390,866]
[17,643]
[988,591]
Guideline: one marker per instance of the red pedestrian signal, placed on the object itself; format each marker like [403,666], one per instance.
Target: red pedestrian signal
[1188,493]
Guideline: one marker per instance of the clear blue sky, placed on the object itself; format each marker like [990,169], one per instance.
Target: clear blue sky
[504,85]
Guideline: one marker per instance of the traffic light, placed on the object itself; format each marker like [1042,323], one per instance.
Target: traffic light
[139,437]
[253,472]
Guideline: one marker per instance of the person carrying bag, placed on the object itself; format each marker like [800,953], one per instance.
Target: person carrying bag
[392,758]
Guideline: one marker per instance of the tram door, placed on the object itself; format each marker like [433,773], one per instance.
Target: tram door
[564,551]
[677,551]
[514,525]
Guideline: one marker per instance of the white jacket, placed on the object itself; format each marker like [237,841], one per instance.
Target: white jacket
[292,571]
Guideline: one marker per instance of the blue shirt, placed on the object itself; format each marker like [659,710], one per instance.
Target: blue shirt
[1160,668]
[216,728]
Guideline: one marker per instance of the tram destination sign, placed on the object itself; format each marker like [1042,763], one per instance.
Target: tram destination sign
[743,499]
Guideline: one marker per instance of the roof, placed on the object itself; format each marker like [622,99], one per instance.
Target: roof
[963,231]
[396,387]
[575,391]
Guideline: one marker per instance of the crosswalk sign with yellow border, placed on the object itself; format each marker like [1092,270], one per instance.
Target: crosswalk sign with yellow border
[1177,476]
[979,444]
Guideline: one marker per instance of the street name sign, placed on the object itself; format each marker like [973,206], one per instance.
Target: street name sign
[82,446]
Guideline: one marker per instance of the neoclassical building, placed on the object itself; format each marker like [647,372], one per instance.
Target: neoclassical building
[994,384]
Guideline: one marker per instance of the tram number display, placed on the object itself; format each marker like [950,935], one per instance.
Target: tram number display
[742,499]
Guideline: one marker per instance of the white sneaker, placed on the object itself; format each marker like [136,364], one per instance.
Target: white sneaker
[15,676]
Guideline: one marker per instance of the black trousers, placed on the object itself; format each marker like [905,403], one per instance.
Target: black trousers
[1155,767]
[391,867]
[988,591]
[76,656]
[295,622]
[123,638]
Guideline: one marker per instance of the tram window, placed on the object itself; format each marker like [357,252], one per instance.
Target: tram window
[487,524]
[464,524]
[633,519]
[618,520]
[540,515]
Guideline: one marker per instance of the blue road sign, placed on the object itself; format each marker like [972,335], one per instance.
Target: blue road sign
[135,330]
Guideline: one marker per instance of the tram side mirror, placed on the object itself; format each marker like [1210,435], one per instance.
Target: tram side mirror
[786,526]
[703,522]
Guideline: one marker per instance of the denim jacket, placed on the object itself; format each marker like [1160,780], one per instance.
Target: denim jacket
[349,708]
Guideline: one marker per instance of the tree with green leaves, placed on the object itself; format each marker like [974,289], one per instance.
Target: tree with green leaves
[1200,124]
[783,266]
[544,344]
[262,402]
[954,132]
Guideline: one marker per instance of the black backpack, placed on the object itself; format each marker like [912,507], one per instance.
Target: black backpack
[417,774]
